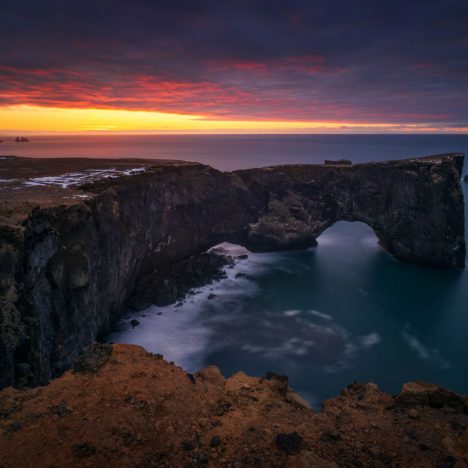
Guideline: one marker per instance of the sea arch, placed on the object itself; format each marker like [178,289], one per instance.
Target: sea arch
[414,206]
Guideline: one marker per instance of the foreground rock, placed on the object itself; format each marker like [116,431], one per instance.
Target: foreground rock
[80,239]
[135,409]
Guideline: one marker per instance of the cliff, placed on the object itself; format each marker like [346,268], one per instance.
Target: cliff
[78,237]
[126,407]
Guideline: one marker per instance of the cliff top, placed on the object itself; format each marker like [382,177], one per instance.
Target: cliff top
[126,407]
[343,164]
[29,182]
[26,183]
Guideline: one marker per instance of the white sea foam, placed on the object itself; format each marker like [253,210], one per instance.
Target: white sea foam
[416,346]
[291,313]
[370,340]
[233,250]
[182,332]
[345,360]
[321,315]
[301,341]
[290,347]
[430,356]
[199,328]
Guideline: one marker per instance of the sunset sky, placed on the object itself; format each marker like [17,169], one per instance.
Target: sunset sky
[234,66]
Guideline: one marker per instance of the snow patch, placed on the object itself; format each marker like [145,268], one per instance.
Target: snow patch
[77,178]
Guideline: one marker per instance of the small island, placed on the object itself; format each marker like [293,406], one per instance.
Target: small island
[21,140]
[338,162]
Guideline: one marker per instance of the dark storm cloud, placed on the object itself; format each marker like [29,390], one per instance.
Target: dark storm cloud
[362,61]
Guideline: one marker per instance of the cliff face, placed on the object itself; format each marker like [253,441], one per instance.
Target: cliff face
[71,257]
[73,267]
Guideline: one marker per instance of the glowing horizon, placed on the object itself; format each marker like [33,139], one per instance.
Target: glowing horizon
[294,67]
[38,119]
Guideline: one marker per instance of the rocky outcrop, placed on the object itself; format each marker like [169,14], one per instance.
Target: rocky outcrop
[174,281]
[72,257]
[125,407]
[338,162]
[415,207]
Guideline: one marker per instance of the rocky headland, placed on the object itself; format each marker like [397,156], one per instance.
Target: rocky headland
[83,240]
[122,406]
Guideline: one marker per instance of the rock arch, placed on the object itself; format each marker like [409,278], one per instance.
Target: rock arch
[414,206]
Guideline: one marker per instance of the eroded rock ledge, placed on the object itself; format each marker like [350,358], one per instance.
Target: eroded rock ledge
[126,407]
[73,249]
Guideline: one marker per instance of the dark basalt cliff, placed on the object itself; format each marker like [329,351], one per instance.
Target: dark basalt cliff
[71,257]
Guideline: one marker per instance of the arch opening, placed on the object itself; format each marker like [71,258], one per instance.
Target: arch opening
[348,232]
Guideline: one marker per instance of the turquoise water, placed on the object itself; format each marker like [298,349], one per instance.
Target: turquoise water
[340,312]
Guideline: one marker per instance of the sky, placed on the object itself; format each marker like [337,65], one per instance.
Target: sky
[243,66]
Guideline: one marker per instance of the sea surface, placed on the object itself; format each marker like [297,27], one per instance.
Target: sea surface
[229,152]
[340,312]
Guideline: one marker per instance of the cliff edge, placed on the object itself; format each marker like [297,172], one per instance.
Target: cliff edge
[125,407]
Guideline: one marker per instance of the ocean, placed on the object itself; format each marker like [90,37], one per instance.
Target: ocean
[230,152]
[340,312]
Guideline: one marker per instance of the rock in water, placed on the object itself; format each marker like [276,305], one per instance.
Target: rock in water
[338,162]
